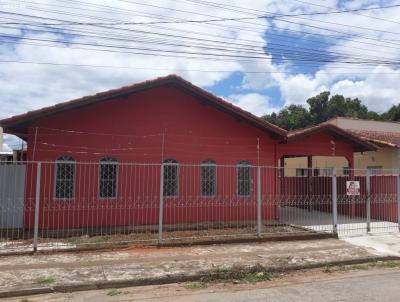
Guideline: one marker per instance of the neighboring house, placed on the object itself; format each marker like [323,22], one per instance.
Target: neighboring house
[163,120]
[6,156]
[1,139]
[12,155]
[385,160]
[386,135]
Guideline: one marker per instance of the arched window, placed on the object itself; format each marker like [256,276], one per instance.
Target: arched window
[243,178]
[65,178]
[208,178]
[108,177]
[170,175]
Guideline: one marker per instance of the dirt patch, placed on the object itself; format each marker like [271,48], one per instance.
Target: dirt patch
[200,236]
[177,236]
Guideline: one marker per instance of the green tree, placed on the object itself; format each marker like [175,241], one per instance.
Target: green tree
[393,114]
[323,107]
[291,117]
[337,106]
[319,107]
[355,108]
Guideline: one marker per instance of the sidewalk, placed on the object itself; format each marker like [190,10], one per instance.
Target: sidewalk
[140,266]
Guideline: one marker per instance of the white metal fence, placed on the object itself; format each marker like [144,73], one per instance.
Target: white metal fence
[67,204]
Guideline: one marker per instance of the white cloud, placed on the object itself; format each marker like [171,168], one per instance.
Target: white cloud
[377,91]
[6,147]
[10,142]
[255,103]
[298,88]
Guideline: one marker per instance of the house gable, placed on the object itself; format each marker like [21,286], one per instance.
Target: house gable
[19,124]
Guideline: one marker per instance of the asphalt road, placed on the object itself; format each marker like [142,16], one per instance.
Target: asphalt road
[363,286]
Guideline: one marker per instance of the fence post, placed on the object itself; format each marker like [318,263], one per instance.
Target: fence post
[334,201]
[37,207]
[398,198]
[368,187]
[161,210]
[259,218]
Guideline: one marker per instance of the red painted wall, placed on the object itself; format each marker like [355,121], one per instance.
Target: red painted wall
[319,144]
[143,128]
[130,129]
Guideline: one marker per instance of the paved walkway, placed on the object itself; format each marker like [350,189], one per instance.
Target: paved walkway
[18,272]
[323,222]
[380,244]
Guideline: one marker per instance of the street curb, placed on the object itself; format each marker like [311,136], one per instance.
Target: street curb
[175,279]
[26,292]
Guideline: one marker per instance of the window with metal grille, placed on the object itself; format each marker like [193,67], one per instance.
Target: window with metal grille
[243,178]
[301,172]
[65,178]
[208,178]
[170,175]
[108,177]
[375,170]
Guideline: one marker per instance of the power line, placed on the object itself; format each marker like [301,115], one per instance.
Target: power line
[164,17]
[303,57]
[204,21]
[181,70]
[367,16]
[249,50]
[302,32]
[223,44]
[147,49]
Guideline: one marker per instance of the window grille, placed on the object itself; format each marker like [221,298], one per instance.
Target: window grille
[170,175]
[108,177]
[301,172]
[208,178]
[375,170]
[65,178]
[243,179]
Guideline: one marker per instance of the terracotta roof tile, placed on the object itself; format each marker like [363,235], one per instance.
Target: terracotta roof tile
[380,137]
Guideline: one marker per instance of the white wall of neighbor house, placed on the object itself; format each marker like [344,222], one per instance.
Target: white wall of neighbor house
[1,139]
[323,163]
[386,160]
[369,125]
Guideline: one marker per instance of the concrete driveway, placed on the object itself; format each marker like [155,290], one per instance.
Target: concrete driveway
[323,222]
[387,244]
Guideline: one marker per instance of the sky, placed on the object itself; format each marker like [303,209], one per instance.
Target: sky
[54,51]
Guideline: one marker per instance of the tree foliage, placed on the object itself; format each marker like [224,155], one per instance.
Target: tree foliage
[291,117]
[323,107]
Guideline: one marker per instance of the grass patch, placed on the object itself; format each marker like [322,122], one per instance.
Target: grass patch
[363,266]
[253,274]
[24,300]
[116,292]
[327,269]
[376,264]
[46,280]
[196,285]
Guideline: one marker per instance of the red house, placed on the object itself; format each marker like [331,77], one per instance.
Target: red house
[101,157]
